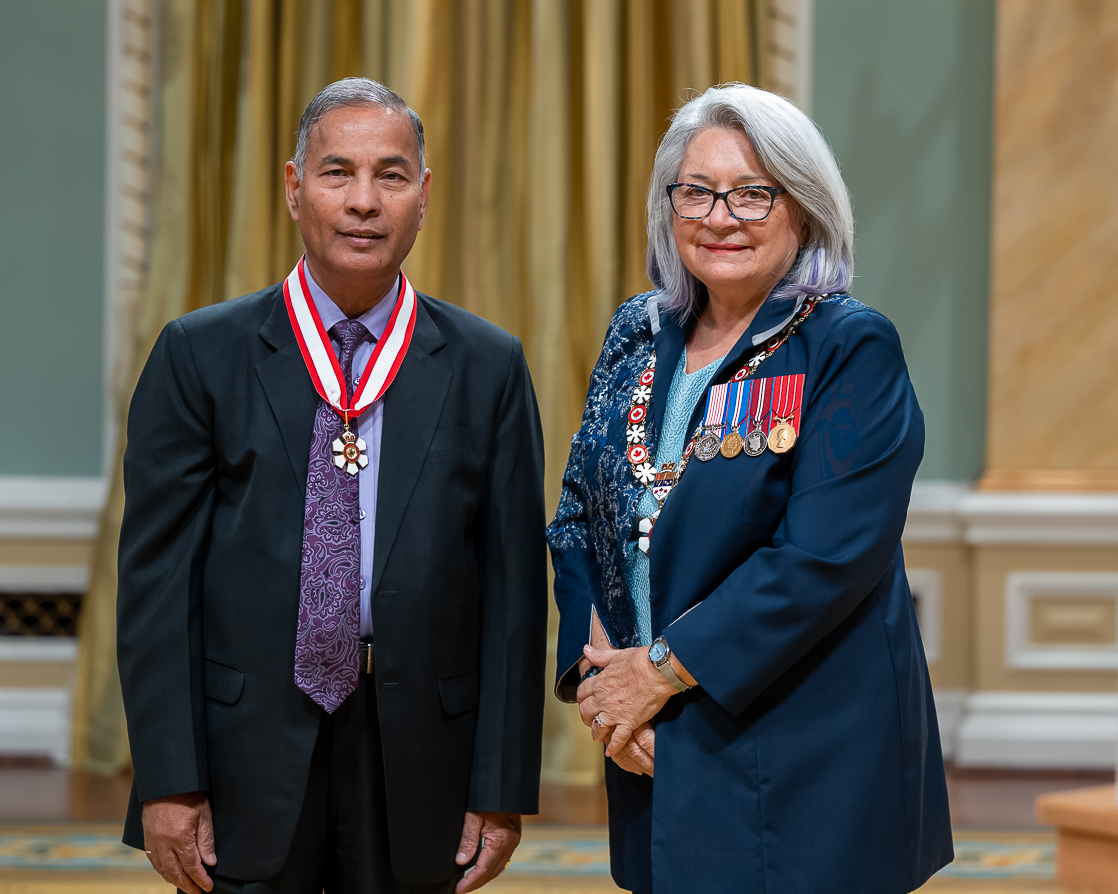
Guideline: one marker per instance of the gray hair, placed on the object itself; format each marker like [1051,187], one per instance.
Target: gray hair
[349,92]
[795,153]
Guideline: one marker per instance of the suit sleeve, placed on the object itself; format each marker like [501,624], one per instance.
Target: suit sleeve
[506,767]
[169,475]
[861,440]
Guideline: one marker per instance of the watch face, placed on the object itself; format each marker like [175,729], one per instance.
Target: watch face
[657,651]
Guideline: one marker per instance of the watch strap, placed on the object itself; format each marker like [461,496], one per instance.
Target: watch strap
[666,670]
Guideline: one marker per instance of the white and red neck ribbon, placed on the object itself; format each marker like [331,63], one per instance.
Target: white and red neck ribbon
[322,362]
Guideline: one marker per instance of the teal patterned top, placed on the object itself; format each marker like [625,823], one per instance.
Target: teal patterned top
[687,389]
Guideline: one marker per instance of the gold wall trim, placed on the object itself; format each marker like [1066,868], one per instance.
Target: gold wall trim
[1049,480]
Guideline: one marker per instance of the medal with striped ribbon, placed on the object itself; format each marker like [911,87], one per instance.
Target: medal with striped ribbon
[348,451]
[787,395]
[732,442]
[706,447]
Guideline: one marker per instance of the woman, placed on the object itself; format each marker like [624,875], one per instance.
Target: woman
[728,538]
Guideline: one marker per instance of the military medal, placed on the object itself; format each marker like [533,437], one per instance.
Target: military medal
[782,437]
[348,451]
[732,443]
[706,443]
[755,441]
[787,395]
[706,447]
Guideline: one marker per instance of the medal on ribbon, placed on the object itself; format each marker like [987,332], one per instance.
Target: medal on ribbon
[732,443]
[705,443]
[708,443]
[348,451]
[755,440]
[788,394]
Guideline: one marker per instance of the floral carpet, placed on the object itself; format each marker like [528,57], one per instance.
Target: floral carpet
[89,859]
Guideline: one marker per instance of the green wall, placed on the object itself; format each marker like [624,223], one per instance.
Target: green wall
[52,154]
[903,89]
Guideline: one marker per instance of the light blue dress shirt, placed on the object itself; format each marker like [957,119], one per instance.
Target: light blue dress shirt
[369,425]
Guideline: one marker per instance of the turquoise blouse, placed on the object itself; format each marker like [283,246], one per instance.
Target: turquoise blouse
[685,392]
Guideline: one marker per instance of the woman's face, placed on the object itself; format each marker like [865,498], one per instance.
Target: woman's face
[736,259]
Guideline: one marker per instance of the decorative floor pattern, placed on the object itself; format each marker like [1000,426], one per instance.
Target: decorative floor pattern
[89,859]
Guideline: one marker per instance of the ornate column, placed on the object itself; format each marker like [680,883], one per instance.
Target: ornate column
[1053,363]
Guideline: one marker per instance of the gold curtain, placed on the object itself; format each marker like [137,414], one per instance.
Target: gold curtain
[542,119]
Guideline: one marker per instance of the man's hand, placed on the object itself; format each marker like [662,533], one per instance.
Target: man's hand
[498,834]
[627,693]
[179,838]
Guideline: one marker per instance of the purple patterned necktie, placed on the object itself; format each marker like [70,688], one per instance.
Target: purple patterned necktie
[329,598]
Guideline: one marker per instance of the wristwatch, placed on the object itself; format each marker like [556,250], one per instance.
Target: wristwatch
[660,654]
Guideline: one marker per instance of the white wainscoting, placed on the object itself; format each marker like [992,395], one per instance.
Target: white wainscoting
[947,512]
[1023,586]
[951,706]
[926,585]
[50,508]
[1070,730]
[36,722]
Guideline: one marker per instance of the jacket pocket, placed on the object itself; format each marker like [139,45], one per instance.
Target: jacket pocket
[458,437]
[223,683]
[460,693]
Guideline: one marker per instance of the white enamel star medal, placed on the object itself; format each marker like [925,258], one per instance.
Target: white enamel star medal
[349,452]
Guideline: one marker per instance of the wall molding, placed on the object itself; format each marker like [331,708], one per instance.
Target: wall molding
[950,512]
[44,578]
[35,722]
[951,706]
[1022,587]
[62,508]
[61,649]
[926,585]
[1067,730]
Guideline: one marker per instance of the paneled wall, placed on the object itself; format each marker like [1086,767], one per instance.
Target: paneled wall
[52,249]
[52,105]
[934,108]
[903,91]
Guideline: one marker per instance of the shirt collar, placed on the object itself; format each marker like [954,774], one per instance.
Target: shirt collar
[375,319]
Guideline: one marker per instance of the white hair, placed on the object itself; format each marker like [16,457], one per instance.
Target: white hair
[349,92]
[795,154]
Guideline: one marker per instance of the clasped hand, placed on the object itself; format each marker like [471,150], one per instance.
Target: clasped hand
[624,697]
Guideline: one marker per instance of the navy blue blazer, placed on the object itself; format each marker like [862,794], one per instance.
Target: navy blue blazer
[808,759]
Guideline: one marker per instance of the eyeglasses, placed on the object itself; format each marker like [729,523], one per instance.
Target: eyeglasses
[693,202]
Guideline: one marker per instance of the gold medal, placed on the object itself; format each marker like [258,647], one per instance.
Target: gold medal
[782,437]
[732,445]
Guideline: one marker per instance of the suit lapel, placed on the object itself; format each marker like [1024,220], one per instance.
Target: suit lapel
[412,406]
[287,385]
[669,343]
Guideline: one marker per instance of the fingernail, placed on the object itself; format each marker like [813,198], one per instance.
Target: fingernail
[461,858]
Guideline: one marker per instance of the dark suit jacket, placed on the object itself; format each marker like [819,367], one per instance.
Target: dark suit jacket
[808,760]
[215,472]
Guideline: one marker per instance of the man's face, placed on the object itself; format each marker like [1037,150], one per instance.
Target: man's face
[363,197]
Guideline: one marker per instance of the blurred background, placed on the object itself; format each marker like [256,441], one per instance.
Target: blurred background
[143,145]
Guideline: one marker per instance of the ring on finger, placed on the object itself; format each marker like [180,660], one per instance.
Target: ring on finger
[597,721]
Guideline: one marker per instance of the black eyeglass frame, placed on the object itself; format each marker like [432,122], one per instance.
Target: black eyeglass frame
[773,192]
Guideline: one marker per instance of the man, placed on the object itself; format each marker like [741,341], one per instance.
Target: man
[332,597]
